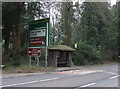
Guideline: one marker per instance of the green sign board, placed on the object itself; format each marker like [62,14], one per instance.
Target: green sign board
[39,33]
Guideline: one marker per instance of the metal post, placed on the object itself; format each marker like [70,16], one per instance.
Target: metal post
[37,58]
[47,44]
[30,60]
[46,57]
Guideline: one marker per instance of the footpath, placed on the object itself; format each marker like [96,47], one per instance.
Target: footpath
[59,69]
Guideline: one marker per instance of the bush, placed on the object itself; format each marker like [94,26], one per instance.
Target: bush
[86,54]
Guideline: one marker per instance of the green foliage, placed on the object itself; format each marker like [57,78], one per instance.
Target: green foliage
[66,24]
[15,20]
[86,54]
[32,10]
[92,25]
[97,28]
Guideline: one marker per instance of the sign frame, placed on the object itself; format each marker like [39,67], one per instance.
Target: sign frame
[34,25]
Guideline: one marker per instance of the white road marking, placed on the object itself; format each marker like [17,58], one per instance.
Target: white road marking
[9,85]
[88,85]
[88,72]
[80,72]
[18,75]
[110,73]
[49,79]
[114,77]
[29,82]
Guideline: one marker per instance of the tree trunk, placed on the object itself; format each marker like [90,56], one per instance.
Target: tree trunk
[16,45]
[5,51]
[16,39]
[67,23]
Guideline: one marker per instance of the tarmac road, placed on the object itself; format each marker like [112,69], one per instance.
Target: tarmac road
[97,76]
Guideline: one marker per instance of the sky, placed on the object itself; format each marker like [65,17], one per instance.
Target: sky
[113,2]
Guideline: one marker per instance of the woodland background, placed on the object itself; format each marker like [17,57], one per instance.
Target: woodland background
[93,26]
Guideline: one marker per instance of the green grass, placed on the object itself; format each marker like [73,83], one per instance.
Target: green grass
[27,66]
[104,64]
[23,67]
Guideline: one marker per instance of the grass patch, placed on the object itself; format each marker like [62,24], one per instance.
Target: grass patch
[102,64]
[27,66]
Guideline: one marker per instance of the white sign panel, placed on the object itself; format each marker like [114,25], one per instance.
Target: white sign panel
[37,33]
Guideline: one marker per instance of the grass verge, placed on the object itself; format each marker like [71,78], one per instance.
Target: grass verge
[27,69]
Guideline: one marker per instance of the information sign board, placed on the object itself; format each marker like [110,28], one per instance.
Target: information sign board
[39,33]
[34,52]
[37,41]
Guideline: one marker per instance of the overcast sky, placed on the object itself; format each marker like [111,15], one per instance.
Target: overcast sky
[113,2]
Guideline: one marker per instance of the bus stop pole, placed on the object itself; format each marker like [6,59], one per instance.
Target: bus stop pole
[37,60]
[46,63]
[30,60]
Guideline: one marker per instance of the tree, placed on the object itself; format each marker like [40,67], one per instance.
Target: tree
[67,20]
[95,24]
[11,23]
[16,18]
[32,11]
[94,27]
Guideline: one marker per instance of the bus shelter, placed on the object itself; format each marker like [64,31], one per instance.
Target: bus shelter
[60,56]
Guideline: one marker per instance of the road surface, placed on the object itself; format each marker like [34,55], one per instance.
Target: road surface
[97,76]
